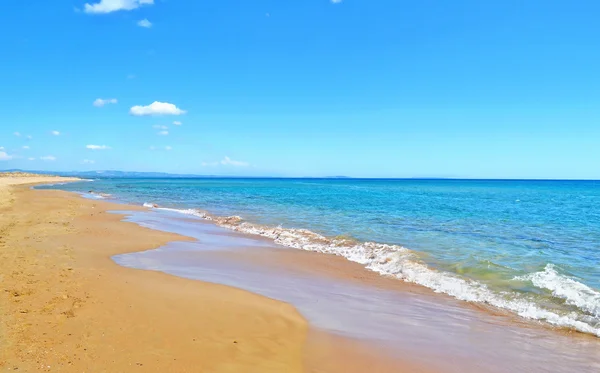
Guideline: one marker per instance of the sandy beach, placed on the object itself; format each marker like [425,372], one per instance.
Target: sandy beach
[328,186]
[66,306]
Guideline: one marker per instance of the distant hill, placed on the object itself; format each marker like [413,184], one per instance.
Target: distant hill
[126,174]
[112,174]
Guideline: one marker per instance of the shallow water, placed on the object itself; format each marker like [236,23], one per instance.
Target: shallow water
[532,247]
[431,329]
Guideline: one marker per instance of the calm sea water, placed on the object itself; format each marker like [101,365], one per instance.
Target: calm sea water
[532,247]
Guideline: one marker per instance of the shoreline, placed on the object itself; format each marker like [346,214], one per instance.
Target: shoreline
[425,326]
[417,276]
[483,342]
[68,306]
[235,224]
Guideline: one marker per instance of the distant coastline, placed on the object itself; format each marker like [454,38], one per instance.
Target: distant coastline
[115,174]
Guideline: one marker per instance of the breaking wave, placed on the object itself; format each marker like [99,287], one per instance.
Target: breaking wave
[572,291]
[402,263]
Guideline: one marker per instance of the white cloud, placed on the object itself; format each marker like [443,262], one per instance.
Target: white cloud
[167,148]
[177,123]
[55,133]
[227,162]
[49,158]
[97,147]
[156,108]
[336,1]
[17,134]
[159,127]
[144,23]
[109,6]
[163,133]
[4,156]
[99,102]
[231,162]
[29,137]
[31,159]
[25,147]
[88,161]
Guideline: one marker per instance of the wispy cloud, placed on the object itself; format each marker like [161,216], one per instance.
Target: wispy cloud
[227,162]
[99,102]
[163,133]
[18,134]
[55,133]
[144,23]
[4,156]
[336,1]
[156,108]
[97,147]
[29,137]
[167,148]
[177,123]
[48,158]
[88,161]
[31,159]
[25,147]
[109,6]
[231,162]
[160,127]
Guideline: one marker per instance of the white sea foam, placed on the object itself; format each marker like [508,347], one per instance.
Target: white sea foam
[96,195]
[402,263]
[92,195]
[572,291]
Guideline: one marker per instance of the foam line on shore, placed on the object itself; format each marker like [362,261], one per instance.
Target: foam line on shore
[402,263]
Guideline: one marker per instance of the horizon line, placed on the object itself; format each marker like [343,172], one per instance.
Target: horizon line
[191,176]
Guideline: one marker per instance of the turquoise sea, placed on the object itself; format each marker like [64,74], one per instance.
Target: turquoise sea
[531,247]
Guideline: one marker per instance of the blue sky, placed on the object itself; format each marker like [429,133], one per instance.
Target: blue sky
[379,88]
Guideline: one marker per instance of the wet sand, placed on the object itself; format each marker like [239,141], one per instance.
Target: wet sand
[344,298]
[66,306]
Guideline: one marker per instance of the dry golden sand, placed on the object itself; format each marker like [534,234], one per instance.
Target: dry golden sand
[66,306]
